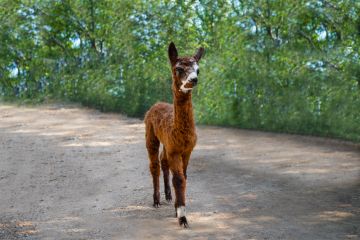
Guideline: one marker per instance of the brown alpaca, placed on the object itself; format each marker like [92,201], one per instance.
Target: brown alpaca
[174,127]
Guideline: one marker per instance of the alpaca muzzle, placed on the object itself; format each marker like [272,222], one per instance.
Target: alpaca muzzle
[193,81]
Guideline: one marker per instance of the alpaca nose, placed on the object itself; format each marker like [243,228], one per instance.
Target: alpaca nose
[194,80]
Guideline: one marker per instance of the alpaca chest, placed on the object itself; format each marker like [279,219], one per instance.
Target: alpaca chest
[184,141]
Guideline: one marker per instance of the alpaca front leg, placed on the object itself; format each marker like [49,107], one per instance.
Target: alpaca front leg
[179,183]
[185,160]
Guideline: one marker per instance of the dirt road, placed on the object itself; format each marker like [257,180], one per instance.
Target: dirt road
[74,173]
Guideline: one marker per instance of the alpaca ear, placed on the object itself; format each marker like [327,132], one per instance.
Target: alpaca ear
[173,54]
[199,54]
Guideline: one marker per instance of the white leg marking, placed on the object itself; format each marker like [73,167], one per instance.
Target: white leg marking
[181,212]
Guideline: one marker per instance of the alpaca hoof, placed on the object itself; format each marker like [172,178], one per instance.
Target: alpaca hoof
[156,204]
[168,198]
[156,200]
[183,222]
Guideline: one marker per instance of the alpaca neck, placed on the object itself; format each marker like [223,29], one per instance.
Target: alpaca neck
[183,111]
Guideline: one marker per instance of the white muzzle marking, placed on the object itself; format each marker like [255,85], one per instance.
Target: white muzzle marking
[181,212]
[183,88]
[190,76]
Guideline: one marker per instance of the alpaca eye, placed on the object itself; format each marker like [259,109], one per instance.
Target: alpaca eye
[198,72]
[180,70]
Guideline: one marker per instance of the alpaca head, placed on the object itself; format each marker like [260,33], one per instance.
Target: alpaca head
[185,69]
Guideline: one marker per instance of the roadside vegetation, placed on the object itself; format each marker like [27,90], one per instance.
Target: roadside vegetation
[288,66]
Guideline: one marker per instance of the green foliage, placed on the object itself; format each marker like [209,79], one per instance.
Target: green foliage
[289,66]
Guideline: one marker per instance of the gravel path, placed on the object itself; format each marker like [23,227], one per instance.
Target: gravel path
[72,173]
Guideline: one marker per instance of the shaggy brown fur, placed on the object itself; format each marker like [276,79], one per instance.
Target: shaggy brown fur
[173,126]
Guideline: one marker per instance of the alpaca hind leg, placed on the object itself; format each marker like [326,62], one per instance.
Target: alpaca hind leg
[152,145]
[155,172]
[165,169]
[179,183]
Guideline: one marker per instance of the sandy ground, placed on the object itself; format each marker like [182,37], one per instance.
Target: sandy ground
[73,173]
